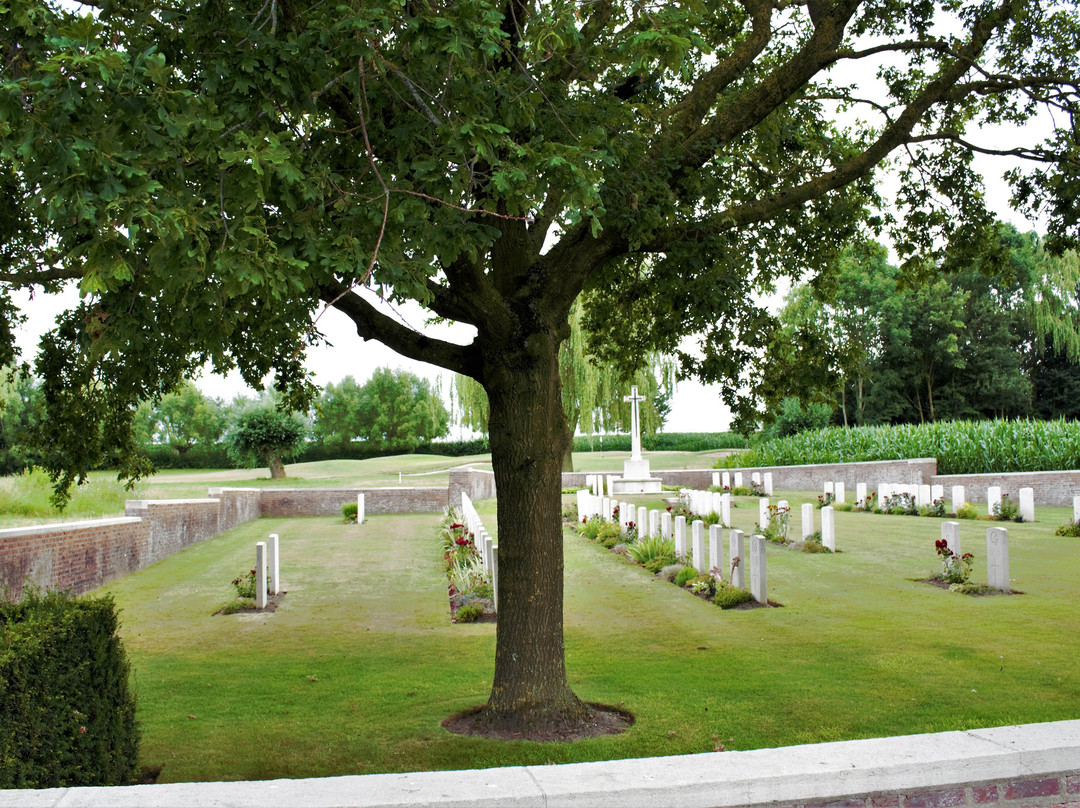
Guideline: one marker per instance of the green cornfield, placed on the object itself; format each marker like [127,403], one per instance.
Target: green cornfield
[961,447]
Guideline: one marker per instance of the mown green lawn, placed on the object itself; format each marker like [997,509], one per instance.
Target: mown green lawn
[360,664]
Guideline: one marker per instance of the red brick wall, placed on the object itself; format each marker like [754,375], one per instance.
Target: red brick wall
[328,501]
[477,484]
[76,555]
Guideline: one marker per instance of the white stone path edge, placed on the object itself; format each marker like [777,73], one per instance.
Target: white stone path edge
[795,774]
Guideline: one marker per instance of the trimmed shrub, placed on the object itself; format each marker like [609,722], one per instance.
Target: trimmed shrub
[67,715]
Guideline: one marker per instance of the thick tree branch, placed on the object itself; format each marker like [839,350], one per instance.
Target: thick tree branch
[372,324]
[893,136]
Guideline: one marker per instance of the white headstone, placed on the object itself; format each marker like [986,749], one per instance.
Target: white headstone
[725,509]
[611,484]
[924,496]
[716,478]
[1027,504]
[767,483]
[697,546]
[763,513]
[957,498]
[716,538]
[654,523]
[738,479]
[860,495]
[993,499]
[758,585]
[360,513]
[737,560]
[665,524]
[584,504]
[495,577]
[273,571]
[260,575]
[605,508]
[642,520]
[830,488]
[840,492]
[725,479]
[937,492]
[950,532]
[755,477]
[1076,510]
[828,529]
[489,553]
[717,503]
[997,558]
[807,519]
[680,536]
[882,494]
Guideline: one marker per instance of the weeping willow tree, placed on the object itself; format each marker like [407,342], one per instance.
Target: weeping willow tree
[592,393]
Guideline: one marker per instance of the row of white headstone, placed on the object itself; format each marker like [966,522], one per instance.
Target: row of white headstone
[489,551]
[267,570]
[726,479]
[997,551]
[661,523]
[925,495]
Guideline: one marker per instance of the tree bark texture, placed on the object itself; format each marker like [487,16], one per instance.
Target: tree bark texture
[529,439]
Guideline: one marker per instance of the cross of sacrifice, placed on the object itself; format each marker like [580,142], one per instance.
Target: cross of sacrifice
[635,423]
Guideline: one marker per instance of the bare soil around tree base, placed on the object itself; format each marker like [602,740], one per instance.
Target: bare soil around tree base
[603,720]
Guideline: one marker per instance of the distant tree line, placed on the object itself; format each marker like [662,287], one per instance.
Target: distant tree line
[994,337]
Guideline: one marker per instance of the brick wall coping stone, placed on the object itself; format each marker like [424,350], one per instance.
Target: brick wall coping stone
[141,504]
[1027,765]
[66,527]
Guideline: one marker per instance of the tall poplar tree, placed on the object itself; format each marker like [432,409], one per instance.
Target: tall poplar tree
[212,173]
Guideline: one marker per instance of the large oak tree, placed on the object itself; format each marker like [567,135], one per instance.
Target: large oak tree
[212,173]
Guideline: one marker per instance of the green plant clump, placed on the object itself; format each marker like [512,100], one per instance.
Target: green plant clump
[1007,510]
[1071,529]
[350,511]
[469,613]
[967,511]
[653,553]
[685,575]
[67,713]
[728,596]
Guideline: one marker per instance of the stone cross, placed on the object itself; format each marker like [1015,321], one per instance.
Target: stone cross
[635,423]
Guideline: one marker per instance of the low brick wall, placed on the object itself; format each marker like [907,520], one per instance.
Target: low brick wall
[474,482]
[81,556]
[175,524]
[75,555]
[1052,488]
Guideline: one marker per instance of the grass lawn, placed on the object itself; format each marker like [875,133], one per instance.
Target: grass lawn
[358,667]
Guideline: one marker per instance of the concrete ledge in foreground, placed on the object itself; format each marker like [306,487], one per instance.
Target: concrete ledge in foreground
[1024,766]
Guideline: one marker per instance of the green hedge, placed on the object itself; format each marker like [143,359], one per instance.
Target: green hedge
[67,715]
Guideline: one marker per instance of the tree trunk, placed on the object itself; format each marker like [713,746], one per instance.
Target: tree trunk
[277,468]
[528,435]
